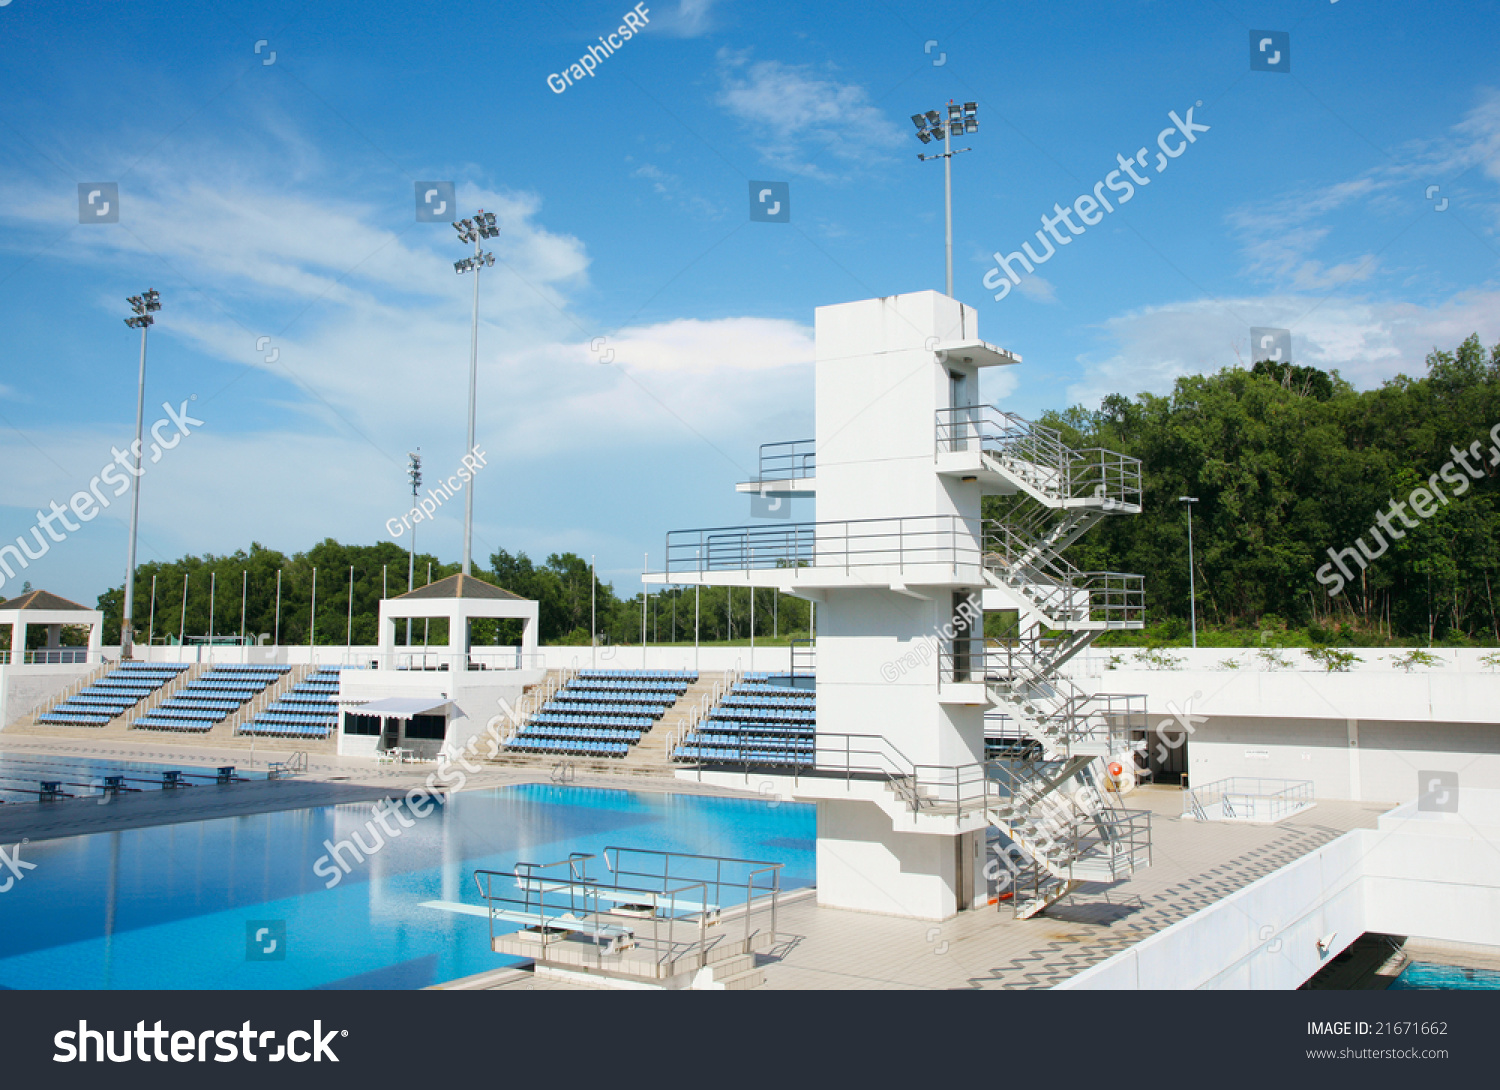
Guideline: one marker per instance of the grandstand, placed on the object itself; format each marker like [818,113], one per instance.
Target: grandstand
[210,698]
[757,722]
[112,695]
[601,713]
[310,710]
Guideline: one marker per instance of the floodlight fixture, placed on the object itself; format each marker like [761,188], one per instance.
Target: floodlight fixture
[931,125]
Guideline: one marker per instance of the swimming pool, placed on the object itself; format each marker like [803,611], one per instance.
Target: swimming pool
[1429,977]
[21,774]
[179,906]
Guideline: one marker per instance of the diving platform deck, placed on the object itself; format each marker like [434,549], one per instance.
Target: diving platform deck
[1195,864]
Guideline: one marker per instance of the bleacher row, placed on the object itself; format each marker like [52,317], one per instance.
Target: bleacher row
[602,713]
[112,695]
[310,710]
[758,722]
[210,698]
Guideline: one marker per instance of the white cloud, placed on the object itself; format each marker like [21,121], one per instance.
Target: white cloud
[670,188]
[1367,341]
[796,117]
[1038,289]
[1281,235]
[690,19]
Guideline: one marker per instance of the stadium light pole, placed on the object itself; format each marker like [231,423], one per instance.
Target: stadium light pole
[931,126]
[1192,584]
[144,306]
[476,230]
[414,471]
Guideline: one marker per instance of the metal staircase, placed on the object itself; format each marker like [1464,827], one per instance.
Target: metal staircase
[1047,802]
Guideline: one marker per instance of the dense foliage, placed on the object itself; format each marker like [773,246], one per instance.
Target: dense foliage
[1288,463]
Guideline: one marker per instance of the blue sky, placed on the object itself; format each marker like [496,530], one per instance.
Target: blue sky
[274,203]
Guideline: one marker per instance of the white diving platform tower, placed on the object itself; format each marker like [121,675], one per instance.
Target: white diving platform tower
[904,567]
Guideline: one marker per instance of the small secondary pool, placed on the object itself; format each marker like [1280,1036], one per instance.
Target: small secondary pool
[1428,977]
[183,906]
[22,773]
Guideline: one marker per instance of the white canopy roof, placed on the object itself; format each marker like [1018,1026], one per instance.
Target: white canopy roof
[401,707]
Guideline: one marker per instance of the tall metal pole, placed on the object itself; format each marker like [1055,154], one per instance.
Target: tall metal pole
[244,590]
[151,630]
[473,389]
[127,634]
[948,200]
[645,567]
[1192,577]
[312,617]
[349,631]
[414,471]
[213,592]
[182,621]
[697,618]
[593,628]
[277,638]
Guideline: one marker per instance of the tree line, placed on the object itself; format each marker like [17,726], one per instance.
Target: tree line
[266,593]
[1292,469]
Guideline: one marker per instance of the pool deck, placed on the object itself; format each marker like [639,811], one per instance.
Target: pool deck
[1194,864]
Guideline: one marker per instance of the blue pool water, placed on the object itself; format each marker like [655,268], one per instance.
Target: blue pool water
[1428,977]
[168,907]
[20,774]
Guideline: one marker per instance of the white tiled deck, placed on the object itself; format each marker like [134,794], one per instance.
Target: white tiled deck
[1194,864]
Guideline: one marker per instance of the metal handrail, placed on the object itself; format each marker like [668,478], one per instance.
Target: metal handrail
[1058,589]
[1036,456]
[1258,798]
[947,540]
[794,460]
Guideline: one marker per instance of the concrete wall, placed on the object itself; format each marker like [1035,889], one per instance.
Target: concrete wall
[863,864]
[25,688]
[1422,874]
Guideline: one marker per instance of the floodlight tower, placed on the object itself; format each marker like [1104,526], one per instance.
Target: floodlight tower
[144,307]
[961,119]
[476,230]
[414,471]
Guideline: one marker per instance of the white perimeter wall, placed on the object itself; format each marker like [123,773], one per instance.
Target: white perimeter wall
[1418,874]
[25,688]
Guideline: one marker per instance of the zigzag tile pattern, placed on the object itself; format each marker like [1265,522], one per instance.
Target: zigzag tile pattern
[1056,961]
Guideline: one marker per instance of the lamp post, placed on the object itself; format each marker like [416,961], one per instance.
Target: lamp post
[476,230]
[144,306]
[414,471]
[1192,581]
[931,126]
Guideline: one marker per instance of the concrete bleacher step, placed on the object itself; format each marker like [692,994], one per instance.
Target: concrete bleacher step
[650,755]
[119,726]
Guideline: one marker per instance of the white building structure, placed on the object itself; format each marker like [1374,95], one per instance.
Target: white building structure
[906,572]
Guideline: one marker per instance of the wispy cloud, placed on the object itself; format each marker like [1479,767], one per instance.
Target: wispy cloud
[672,189]
[1282,236]
[690,19]
[797,117]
